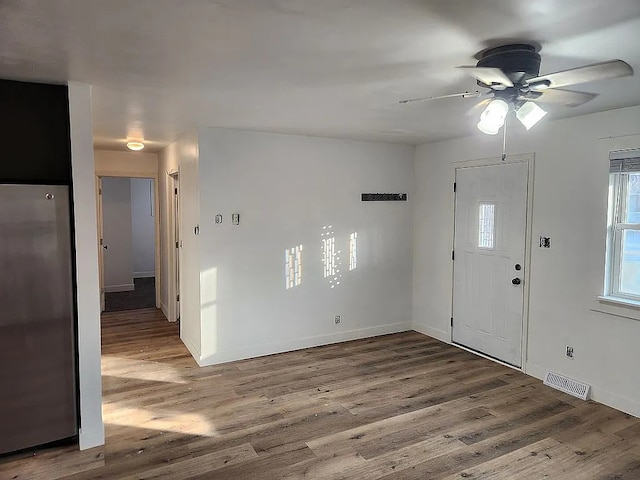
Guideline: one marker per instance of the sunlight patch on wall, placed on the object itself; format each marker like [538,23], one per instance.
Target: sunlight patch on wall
[330,258]
[293,266]
[353,251]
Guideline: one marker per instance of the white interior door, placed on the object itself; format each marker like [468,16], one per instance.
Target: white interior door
[489,253]
[117,247]
[176,235]
[100,242]
[175,243]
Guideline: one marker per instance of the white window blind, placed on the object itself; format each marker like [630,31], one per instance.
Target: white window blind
[624,161]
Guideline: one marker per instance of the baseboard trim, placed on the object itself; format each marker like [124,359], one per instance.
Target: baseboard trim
[144,274]
[598,394]
[195,352]
[431,332]
[164,310]
[127,287]
[90,437]
[299,344]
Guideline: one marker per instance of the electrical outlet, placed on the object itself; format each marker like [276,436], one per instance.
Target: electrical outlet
[569,352]
[337,319]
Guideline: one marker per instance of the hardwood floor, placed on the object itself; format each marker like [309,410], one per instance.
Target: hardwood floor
[400,406]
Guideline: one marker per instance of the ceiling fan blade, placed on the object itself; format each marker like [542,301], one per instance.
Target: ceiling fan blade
[489,76]
[569,98]
[475,94]
[588,73]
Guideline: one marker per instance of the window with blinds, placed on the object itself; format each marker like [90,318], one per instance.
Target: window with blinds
[622,278]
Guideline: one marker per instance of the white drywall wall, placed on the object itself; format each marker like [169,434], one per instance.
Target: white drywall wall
[286,189]
[143,227]
[122,164]
[116,231]
[569,205]
[182,156]
[167,163]
[87,285]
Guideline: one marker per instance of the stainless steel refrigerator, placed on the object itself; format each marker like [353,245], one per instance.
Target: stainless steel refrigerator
[38,401]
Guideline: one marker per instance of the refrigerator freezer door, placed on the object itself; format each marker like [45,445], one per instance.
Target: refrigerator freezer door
[37,346]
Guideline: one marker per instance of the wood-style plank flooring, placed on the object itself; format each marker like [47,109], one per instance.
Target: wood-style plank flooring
[400,406]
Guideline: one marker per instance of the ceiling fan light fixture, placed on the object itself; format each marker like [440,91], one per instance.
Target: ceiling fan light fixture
[529,114]
[135,146]
[493,117]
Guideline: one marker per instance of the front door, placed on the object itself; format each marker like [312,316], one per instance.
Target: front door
[489,253]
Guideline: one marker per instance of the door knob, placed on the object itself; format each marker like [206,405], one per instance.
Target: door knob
[516,281]
[106,247]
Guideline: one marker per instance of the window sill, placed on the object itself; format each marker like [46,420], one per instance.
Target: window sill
[620,307]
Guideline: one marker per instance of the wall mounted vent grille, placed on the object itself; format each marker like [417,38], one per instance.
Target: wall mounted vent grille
[567,385]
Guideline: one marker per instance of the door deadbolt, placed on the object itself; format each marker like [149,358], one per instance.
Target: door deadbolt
[518,267]
[516,281]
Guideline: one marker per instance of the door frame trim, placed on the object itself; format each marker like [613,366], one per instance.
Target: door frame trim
[174,254]
[153,176]
[529,159]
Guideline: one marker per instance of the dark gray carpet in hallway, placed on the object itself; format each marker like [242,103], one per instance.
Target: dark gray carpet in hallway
[143,296]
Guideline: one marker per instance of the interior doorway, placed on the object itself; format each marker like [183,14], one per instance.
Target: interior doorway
[129,244]
[175,248]
[490,259]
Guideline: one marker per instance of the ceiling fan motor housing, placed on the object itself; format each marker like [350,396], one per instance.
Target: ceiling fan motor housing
[518,61]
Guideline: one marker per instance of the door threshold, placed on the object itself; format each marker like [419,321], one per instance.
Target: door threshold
[488,357]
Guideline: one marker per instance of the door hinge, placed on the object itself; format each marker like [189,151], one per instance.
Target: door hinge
[454,186]
[175,191]
[453,254]
[101,241]
[177,245]
[451,322]
[178,298]
[99,191]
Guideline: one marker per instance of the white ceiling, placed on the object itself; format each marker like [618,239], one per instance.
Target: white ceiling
[333,68]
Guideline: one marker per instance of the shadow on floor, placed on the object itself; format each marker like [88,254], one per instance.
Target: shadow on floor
[142,296]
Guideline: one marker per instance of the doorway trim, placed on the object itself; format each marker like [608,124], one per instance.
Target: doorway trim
[173,182]
[148,175]
[529,159]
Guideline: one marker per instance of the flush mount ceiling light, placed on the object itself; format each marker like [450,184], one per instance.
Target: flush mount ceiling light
[135,146]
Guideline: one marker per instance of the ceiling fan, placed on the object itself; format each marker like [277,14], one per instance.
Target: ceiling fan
[512,75]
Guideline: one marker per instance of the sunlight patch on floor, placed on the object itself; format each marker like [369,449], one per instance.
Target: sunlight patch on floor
[115,413]
[141,370]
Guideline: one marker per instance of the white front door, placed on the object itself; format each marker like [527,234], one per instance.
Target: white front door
[489,253]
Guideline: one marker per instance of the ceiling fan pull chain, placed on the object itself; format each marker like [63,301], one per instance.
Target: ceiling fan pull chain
[504,141]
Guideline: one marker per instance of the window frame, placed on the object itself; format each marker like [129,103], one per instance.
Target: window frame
[617,213]
[493,233]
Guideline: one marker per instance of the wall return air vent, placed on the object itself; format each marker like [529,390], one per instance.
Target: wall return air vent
[567,385]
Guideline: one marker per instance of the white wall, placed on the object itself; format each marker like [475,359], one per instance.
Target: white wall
[182,156]
[143,227]
[286,188]
[88,290]
[569,205]
[116,163]
[117,234]
[167,163]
